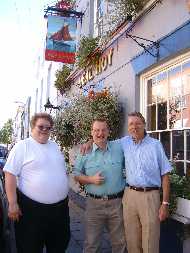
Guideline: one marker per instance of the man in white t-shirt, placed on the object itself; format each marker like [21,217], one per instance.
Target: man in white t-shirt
[37,188]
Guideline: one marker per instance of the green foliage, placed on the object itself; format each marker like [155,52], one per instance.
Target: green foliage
[87,46]
[73,124]
[6,132]
[180,187]
[61,75]
[124,10]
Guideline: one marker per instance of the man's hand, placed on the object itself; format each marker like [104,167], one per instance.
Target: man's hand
[97,179]
[163,212]
[14,211]
[86,147]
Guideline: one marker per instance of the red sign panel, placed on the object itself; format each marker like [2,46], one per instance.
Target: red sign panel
[52,55]
[61,39]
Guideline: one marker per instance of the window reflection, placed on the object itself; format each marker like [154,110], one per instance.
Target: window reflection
[180,168]
[162,116]
[168,109]
[151,105]
[154,135]
[175,91]
[162,95]
[175,113]
[151,116]
[186,94]
[188,169]
[175,87]
[178,145]
[161,89]
[165,139]
[188,144]
[151,95]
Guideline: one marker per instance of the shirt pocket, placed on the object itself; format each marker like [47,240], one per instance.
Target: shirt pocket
[91,168]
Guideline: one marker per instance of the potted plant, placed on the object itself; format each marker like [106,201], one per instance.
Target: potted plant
[173,231]
[62,83]
[73,123]
[180,194]
[88,52]
[124,11]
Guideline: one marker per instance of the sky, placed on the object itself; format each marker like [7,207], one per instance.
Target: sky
[22,28]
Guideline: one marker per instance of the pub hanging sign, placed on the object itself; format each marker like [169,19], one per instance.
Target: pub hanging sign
[61,39]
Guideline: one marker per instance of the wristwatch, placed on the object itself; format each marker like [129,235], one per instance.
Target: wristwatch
[165,203]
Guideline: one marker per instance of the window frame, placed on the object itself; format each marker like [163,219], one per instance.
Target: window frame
[166,67]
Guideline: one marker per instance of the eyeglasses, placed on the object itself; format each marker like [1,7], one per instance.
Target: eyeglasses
[44,128]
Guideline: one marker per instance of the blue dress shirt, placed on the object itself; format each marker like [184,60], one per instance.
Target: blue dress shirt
[145,162]
[109,162]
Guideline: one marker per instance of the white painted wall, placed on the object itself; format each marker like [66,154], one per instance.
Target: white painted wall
[163,19]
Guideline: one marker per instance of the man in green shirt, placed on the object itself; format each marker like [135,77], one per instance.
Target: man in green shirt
[101,171]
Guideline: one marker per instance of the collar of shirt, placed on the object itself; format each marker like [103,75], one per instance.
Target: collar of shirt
[95,147]
[141,141]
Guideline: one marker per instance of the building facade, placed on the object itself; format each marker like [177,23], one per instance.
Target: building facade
[147,63]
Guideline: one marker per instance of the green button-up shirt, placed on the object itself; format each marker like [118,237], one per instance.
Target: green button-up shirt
[109,162]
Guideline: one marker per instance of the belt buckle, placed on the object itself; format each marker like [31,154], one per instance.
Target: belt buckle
[105,197]
[144,189]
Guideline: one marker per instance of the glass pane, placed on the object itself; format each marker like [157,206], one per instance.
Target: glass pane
[188,169]
[188,144]
[161,92]
[100,8]
[175,113]
[154,135]
[175,98]
[162,116]
[175,86]
[151,97]
[186,94]
[165,139]
[180,168]
[178,145]
[151,117]
[161,89]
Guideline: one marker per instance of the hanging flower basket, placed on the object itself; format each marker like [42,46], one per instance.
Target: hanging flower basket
[73,124]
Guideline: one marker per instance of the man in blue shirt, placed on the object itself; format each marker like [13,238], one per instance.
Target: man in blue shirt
[101,171]
[147,169]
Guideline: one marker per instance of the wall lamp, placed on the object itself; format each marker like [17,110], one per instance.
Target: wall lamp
[50,106]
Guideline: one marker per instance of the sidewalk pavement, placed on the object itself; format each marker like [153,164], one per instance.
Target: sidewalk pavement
[77,208]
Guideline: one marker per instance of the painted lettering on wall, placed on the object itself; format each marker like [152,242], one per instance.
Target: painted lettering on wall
[92,71]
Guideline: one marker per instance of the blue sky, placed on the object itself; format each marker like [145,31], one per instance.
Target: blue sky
[22,28]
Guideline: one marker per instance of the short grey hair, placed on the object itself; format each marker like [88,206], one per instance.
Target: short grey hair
[137,114]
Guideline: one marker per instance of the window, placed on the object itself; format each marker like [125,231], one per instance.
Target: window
[166,106]
[99,7]
[100,10]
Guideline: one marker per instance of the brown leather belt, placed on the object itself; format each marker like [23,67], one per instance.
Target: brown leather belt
[144,189]
[106,197]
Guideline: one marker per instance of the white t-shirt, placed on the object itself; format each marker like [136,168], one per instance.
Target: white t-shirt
[41,170]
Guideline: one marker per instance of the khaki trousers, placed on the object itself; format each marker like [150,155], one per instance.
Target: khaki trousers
[141,221]
[102,214]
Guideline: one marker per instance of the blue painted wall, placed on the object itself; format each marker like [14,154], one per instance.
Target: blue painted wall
[169,45]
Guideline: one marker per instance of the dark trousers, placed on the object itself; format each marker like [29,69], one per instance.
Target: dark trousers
[42,225]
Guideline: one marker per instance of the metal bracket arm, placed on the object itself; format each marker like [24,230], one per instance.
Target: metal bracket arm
[69,13]
[154,43]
